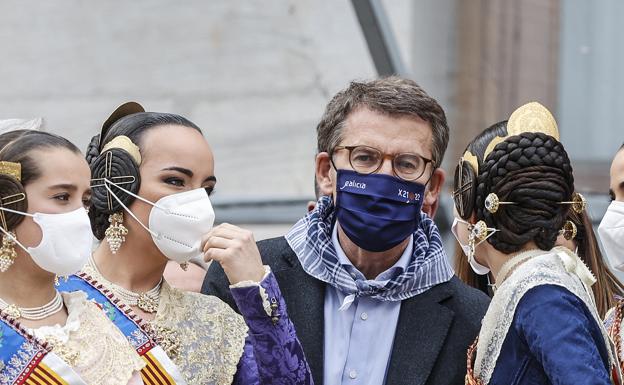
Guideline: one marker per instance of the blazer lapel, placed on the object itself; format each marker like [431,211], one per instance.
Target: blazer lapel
[305,298]
[421,331]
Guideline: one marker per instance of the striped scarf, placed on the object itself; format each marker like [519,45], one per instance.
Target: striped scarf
[311,240]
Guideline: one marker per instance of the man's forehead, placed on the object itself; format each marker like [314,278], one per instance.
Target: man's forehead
[365,126]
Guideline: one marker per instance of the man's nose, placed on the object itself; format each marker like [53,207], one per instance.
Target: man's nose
[386,167]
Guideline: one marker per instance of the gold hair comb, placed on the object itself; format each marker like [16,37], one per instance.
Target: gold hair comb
[124,143]
[530,117]
[12,169]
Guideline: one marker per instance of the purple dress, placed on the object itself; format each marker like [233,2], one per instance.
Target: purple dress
[272,353]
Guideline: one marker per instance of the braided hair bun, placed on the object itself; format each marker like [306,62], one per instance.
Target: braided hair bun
[11,187]
[533,171]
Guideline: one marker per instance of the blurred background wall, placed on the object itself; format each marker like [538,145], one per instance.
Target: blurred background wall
[256,75]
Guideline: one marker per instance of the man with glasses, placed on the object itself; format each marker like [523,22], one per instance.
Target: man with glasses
[365,277]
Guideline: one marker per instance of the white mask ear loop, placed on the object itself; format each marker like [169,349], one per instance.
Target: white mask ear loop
[8,234]
[127,209]
[132,194]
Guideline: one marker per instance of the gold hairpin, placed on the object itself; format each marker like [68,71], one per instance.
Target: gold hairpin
[124,143]
[479,230]
[569,230]
[530,117]
[578,202]
[492,203]
[12,169]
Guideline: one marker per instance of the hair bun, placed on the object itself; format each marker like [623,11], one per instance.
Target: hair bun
[9,187]
[119,167]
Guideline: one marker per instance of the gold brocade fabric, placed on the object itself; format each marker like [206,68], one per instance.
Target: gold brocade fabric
[210,335]
[201,334]
[91,344]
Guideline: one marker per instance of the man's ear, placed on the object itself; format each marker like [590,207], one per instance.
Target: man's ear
[324,177]
[432,195]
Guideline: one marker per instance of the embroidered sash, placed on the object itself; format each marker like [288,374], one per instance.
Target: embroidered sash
[26,360]
[159,369]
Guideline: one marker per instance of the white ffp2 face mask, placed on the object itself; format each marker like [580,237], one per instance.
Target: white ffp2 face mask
[611,231]
[177,222]
[65,244]
[474,265]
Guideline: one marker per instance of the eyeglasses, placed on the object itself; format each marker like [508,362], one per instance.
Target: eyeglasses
[368,160]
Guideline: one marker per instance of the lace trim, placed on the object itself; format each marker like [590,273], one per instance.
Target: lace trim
[549,268]
[210,335]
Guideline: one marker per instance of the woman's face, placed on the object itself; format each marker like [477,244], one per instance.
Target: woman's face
[174,159]
[63,185]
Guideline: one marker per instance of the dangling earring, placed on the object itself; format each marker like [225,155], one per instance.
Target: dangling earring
[7,251]
[116,232]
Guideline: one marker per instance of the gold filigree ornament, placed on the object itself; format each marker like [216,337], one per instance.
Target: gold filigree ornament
[116,232]
[530,117]
[146,303]
[578,202]
[12,169]
[493,203]
[12,311]
[166,337]
[7,251]
[569,230]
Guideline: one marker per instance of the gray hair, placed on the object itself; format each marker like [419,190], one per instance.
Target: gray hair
[394,96]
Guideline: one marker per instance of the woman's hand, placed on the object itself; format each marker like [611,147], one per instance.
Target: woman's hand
[235,250]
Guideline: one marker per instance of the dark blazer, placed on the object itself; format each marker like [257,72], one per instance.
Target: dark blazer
[433,333]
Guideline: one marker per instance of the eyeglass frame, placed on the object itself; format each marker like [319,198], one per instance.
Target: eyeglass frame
[383,157]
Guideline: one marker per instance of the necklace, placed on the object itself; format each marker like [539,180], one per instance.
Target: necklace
[33,313]
[147,301]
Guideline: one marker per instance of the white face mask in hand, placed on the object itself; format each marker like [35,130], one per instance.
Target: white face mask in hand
[611,231]
[65,244]
[177,222]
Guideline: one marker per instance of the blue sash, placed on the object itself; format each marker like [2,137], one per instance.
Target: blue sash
[159,369]
[24,359]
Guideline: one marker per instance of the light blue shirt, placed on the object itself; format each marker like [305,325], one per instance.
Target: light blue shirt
[359,338]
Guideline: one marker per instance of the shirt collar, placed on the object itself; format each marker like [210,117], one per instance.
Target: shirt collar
[399,267]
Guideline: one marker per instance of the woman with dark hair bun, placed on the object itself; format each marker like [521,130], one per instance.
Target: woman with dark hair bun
[511,201]
[47,337]
[579,236]
[152,174]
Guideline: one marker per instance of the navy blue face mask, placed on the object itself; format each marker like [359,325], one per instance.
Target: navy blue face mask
[377,211]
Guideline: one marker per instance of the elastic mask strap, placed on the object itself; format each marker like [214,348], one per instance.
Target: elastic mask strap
[8,234]
[108,181]
[487,236]
[15,212]
[128,210]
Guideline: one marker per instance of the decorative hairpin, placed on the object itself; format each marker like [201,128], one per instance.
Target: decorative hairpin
[12,169]
[578,202]
[568,230]
[492,203]
[124,143]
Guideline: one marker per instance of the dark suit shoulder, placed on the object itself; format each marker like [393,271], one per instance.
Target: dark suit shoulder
[468,304]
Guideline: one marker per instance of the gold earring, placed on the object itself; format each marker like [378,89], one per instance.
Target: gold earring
[116,232]
[569,230]
[7,251]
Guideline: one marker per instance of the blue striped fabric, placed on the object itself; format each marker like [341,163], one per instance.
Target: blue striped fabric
[310,239]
